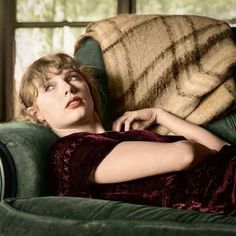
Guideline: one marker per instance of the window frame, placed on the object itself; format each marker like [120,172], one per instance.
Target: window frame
[7,59]
[123,6]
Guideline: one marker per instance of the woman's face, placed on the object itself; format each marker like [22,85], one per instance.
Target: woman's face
[65,100]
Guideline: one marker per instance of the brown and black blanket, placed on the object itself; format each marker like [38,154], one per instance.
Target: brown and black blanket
[183,64]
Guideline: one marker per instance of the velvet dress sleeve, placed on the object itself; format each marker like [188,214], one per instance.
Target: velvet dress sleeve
[72,160]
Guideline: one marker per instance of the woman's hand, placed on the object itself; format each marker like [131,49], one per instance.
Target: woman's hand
[138,119]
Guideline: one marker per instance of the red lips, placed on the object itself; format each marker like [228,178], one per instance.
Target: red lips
[73,102]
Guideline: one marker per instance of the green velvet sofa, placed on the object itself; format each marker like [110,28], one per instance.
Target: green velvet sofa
[26,208]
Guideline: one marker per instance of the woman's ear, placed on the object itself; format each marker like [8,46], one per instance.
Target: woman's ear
[31,111]
[34,113]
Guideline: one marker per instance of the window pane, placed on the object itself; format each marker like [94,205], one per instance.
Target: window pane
[61,10]
[213,8]
[36,42]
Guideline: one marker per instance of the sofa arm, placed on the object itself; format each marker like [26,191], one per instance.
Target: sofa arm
[23,155]
[7,173]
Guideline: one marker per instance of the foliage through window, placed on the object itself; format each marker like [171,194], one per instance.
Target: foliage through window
[218,9]
[65,10]
[34,41]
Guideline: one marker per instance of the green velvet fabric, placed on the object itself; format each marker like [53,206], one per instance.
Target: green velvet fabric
[80,216]
[28,144]
[224,127]
[90,55]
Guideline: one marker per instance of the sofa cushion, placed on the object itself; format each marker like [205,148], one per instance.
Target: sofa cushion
[73,216]
[28,145]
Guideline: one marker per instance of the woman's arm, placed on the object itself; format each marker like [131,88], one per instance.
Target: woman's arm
[132,160]
[143,118]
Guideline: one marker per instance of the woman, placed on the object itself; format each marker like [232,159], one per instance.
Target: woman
[192,170]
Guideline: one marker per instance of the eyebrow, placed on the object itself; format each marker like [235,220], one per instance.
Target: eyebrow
[80,75]
[48,78]
[69,72]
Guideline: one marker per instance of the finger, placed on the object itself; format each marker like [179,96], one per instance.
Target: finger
[117,125]
[145,124]
[127,125]
[136,125]
[127,117]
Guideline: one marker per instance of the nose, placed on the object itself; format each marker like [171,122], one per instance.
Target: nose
[69,89]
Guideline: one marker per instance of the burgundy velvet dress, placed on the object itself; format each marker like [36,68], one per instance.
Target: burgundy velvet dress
[210,187]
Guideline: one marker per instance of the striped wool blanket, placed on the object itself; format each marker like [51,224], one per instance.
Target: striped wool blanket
[183,64]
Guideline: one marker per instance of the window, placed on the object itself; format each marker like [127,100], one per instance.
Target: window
[37,27]
[53,26]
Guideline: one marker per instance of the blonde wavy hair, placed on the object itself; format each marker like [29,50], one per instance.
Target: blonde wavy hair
[36,76]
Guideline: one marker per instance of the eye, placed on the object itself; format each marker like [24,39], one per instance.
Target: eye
[73,78]
[48,87]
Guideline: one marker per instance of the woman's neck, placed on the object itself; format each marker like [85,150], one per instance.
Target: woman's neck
[89,129]
[93,126]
